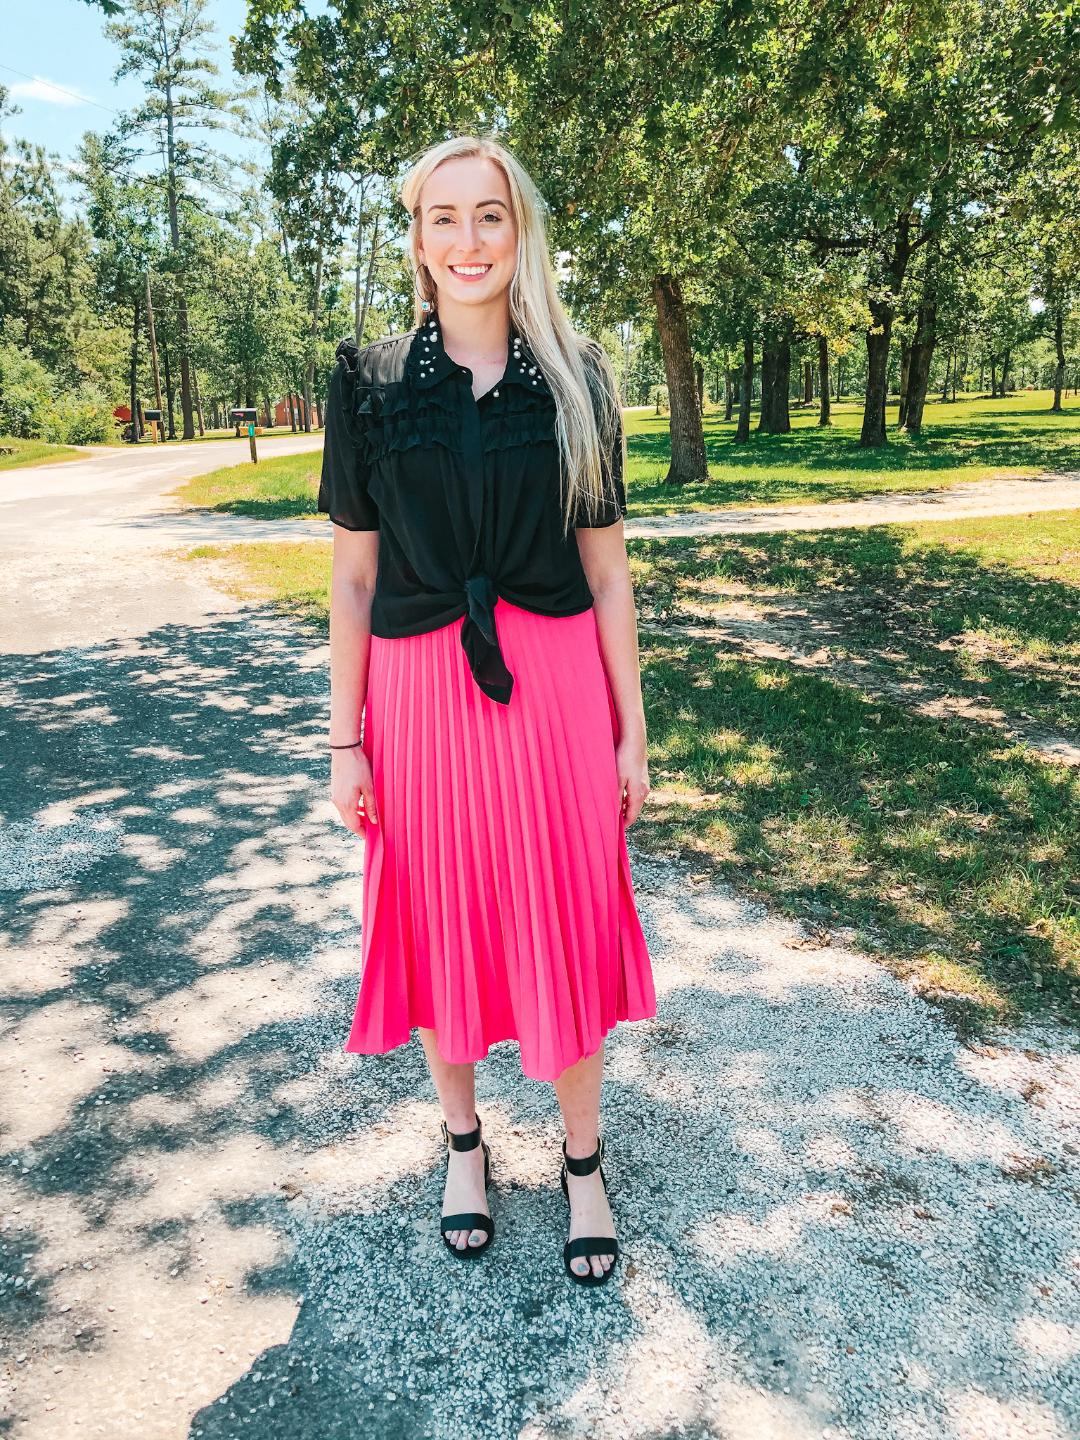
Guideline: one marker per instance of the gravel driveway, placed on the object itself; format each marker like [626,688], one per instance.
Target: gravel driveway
[839,1219]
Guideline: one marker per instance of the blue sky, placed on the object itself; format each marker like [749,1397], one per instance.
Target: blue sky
[59,66]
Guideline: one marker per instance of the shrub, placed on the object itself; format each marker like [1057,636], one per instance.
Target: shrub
[25,391]
[33,407]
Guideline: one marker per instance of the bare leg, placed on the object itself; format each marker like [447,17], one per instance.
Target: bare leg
[578,1091]
[456,1089]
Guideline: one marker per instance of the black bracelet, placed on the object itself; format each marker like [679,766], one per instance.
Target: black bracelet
[346,747]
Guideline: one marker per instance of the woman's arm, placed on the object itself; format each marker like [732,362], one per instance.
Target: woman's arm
[603,558]
[352,586]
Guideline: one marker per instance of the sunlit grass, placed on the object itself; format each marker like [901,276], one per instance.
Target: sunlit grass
[18,454]
[986,607]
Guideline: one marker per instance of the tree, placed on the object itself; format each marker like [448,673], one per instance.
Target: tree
[166,43]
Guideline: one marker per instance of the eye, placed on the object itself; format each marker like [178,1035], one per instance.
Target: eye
[493,214]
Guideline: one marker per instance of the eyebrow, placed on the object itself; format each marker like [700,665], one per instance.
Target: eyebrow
[477,206]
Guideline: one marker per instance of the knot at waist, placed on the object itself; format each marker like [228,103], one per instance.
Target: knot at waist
[480,641]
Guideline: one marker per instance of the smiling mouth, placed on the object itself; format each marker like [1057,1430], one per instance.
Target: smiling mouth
[470,272]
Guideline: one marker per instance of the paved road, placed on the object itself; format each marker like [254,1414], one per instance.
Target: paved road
[82,544]
[117,484]
[839,1220]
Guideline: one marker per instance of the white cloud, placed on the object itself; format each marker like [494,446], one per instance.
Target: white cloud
[41,89]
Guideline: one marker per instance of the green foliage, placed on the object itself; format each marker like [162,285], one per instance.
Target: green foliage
[35,406]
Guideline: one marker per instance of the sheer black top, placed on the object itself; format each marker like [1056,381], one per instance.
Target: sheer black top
[465,493]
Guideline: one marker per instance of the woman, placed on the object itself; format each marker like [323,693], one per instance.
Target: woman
[482,626]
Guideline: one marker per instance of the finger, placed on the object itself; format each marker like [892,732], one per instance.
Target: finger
[348,817]
[369,806]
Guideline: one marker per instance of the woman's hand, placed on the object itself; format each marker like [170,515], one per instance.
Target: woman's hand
[633,767]
[352,789]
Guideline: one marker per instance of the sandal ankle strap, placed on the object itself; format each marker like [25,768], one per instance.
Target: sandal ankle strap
[462,1140]
[589,1164]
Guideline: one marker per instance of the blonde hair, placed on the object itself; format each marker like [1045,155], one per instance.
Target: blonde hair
[577,369]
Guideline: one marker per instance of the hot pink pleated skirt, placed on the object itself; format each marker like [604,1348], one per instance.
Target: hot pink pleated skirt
[498,902]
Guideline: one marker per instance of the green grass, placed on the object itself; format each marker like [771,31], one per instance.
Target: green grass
[283,487]
[950,851]
[19,454]
[953,854]
[988,608]
[972,439]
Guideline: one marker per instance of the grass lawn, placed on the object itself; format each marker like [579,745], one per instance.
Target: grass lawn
[989,608]
[17,454]
[972,439]
[282,487]
[949,851]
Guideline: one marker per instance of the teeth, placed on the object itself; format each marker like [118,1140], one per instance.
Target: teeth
[470,269]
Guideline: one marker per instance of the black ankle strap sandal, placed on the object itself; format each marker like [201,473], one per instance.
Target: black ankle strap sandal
[586,1245]
[473,1219]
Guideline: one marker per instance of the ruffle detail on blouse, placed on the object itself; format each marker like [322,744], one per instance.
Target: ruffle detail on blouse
[389,436]
[399,421]
[505,432]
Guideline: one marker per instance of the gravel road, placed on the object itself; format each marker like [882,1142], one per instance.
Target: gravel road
[839,1219]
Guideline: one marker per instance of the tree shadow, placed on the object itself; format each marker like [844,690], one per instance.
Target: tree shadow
[181,919]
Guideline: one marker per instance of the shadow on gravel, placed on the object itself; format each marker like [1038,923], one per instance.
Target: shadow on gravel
[819,1221]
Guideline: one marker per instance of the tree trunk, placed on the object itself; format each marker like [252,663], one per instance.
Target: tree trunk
[699,376]
[768,379]
[883,309]
[808,382]
[921,355]
[198,399]
[905,369]
[1059,351]
[169,390]
[746,389]
[729,394]
[781,391]
[775,416]
[823,380]
[133,388]
[688,462]
[171,186]
[152,334]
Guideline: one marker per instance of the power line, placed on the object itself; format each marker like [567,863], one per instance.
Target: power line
[83,99]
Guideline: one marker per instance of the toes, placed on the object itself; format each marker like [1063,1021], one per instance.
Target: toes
[477,1237]
[581,1266]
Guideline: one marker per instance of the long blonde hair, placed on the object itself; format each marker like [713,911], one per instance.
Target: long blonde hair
[577,369]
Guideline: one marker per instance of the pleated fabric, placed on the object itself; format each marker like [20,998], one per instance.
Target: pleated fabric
[498,900]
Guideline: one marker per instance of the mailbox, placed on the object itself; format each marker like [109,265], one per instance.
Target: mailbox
[243,417]
[152,415]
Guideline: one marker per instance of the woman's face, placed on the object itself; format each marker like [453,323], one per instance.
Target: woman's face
[466,221]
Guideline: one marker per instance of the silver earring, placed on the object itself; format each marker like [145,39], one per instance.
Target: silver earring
[425,304]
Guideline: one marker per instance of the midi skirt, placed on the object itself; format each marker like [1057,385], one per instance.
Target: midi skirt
[498,902]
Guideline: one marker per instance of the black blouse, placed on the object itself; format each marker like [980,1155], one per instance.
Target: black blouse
[465,493]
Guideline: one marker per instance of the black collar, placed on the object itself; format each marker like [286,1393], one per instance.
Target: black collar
[429,363]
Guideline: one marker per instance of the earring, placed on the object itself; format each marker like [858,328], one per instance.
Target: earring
[425,304]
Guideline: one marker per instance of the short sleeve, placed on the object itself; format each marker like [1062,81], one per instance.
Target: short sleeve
[613,506]
[343,492]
